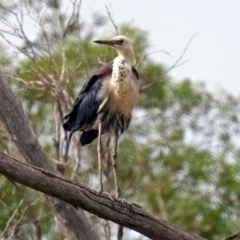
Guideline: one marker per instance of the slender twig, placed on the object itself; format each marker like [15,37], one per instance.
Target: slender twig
[112,21]
[29,209]
[107,229]
[74,71]
[11,218]
[120,232]
[177,62]
[57,131]
[77,162]
[70,22]
[143,57]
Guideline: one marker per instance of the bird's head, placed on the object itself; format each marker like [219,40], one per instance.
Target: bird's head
[123,46]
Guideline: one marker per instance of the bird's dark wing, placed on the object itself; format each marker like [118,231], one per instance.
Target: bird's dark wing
[89,135]
[84,111]
[135,72]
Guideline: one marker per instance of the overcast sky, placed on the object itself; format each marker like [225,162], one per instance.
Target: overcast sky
[214,54]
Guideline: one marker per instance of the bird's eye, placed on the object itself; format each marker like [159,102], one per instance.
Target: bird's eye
[121,41]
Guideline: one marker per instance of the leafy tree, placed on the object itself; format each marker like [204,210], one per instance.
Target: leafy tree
[179,157]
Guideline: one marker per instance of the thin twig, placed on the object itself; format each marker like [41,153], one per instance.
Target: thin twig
[77,162]
[71,21]
[29,209]
[177,62]
[107,229]
[112,21]
[11,218]
[143,57]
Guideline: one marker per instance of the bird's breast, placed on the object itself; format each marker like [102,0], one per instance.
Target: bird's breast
[124,97]
[121,90]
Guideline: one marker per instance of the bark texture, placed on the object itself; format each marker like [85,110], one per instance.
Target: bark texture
[130,216]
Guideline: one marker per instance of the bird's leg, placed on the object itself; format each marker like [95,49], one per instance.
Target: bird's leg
[99,149]
[114,164]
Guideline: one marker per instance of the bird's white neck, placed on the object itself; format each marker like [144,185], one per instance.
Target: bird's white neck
[122,71]
[128,55]
[122,88]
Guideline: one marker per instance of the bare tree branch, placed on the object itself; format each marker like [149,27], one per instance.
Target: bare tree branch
[107,230]
[112,21]
[177,63]
[131,216]
[34,219]
[233,237]
[74,18]
[11,218]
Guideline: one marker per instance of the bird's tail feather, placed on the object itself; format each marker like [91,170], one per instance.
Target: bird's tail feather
[88,136]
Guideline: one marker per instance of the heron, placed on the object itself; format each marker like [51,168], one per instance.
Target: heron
[105,103]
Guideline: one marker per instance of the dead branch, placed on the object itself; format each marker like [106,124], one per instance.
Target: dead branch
[233,237]
[11,218]
[107,229]
[177,63]
[112,21]
[74,18]
[34,219]
[145,55]
[129,215]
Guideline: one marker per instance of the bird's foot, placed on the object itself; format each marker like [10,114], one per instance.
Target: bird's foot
[122,200]
[111,197]
[106,193]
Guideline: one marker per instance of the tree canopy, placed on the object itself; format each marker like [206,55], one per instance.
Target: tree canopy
[178,159]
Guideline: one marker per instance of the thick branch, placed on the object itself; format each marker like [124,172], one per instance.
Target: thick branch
[131,216]
[75,224]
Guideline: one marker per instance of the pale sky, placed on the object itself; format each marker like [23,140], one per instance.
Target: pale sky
[214,54]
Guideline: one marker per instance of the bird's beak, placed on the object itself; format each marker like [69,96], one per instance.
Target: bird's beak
[107,42]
